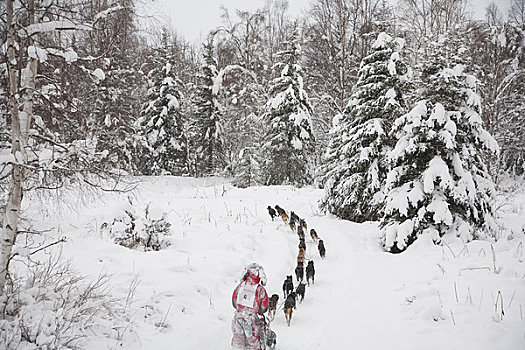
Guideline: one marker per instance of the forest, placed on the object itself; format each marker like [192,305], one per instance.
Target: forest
[407,113]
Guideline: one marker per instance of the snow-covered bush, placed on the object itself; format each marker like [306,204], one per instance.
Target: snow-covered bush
[54,307]
[134,228]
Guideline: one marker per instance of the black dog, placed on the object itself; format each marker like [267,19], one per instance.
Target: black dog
[310,272]
[322,250]
[301,289]
[314,235]
[299,271]
[272,213]
[294,217]
[292,224]
[280,210]
[289,306]
[272,306]
[300,231]
[302,243]
[288,286]
[303,224]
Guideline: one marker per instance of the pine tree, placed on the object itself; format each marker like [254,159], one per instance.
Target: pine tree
[439,182]
[161,123]
[354,166]
[207,119]
[288,143]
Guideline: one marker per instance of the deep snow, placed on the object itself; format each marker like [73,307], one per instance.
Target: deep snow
[430,297]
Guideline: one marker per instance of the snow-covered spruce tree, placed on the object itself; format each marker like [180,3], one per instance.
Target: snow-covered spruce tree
[438,182]
[207,139]
[247,169]
[161,125]
[288,143]
[354,167]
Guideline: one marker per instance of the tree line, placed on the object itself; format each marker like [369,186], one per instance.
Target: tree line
[85,96]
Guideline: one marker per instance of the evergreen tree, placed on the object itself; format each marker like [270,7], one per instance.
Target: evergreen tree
[247,168]
[354,166]
[439,182]
[161,123]
[288,143]
[207,124]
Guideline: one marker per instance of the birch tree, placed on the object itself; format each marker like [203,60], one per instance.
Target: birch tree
[28,24]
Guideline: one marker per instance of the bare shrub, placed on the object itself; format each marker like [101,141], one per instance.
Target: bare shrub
[136,229]
[55,307]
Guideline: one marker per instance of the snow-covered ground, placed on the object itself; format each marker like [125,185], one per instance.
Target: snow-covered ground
[430,297]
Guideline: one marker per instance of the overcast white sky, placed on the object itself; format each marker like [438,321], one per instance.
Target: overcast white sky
[193,19]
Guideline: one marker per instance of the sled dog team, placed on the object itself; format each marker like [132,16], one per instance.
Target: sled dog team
[299,226]
[250,327]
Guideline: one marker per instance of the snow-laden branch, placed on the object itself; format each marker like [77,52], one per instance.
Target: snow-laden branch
[217,85]
[51,26]
[67,24]
[105,13]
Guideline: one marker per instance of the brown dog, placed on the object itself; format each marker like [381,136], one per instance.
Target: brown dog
[289,306]
[272,306]
[301,256]
[285,217]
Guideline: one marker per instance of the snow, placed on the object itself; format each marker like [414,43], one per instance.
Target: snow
[99,74]
[382,40]
[173,101]
[55,25]
[437,169]
[296,143]
[37,52]
[105,13]
[439,207]
[429,297]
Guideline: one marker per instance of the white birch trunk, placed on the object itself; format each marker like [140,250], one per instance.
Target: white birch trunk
[20,122]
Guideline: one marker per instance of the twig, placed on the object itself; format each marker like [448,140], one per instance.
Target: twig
[454,255]
[474,268]
[452,314]
[465,249]
[511,299]
[162,323]
[481,300]
[61,240]
[456,292]
[499,316]
[482,250]
[494,259]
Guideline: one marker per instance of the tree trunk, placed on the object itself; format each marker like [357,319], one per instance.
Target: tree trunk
[20,122]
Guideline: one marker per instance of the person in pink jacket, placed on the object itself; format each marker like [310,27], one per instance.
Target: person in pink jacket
[249,300]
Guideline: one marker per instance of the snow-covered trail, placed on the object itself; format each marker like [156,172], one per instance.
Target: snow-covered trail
[363,298]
